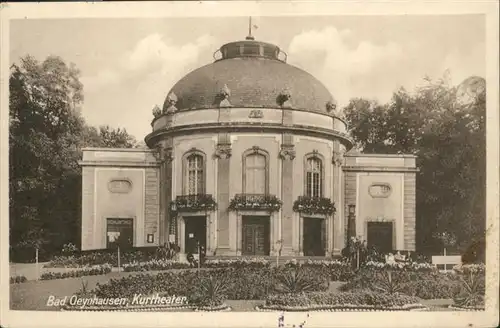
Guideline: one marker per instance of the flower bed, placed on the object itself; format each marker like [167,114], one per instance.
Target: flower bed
[422,284]
[470,268]
[157,265]
[336,270]
[341,301]
[405,266]
[87,271]
[240,284]
[467,308]
[88,258]
[238,263]
[18,279]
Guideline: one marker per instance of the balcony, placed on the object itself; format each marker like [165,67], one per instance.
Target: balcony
[250,202]
[193,203]
[314,205]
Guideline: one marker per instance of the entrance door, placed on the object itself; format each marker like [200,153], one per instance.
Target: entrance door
[195,232]
[120,232]
[255,235]
[380,236]
[314,236]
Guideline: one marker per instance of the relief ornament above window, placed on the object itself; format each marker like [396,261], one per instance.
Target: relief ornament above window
[380,190]
[121,186]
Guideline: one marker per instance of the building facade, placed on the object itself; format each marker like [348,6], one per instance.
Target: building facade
[249,156]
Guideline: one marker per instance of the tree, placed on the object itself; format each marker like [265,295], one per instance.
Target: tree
[45,126]
[46,135]
[448,137]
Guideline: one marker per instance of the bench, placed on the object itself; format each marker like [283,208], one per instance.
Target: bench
[445,260]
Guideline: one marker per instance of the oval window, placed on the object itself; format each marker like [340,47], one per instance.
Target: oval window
[120,186]
[380,190]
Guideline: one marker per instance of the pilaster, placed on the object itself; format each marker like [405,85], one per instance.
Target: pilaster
[223,156]
[165,154]
[287,155]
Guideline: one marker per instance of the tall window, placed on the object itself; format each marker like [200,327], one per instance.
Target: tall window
[255,174]
[313,177]
[195,175]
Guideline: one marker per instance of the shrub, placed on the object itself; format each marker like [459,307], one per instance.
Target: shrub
[69,249]
[18,279]
[328,299]
[299,279]
[210,291]
[88,271]
[472,287]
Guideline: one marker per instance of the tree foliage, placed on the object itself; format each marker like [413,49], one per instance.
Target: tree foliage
[46,135]
[448,137]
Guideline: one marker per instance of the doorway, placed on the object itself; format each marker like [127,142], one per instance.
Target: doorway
[379,235]
[255,235]
[314,237]
[119,233]
[195,233]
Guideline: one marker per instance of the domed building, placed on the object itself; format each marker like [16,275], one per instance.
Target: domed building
[249,156]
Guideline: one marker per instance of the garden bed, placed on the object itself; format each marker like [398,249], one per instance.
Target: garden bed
[154,265]
[85,271]
[233,284]
[336,270]
[326,301]
[150,308]
[237,263]
[466,308]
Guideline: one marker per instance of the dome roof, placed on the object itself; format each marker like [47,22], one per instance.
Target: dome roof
[256,75]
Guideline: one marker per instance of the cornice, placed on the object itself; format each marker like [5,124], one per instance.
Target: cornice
[249,127]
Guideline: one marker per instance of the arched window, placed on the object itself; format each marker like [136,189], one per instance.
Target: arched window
[314,177]
[255,177]
[195,174]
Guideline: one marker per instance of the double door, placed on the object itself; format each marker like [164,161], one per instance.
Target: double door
[255,236]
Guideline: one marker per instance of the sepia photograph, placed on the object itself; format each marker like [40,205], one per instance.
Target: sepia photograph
[281,169]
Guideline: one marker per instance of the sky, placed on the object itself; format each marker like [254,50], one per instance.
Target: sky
[129,65]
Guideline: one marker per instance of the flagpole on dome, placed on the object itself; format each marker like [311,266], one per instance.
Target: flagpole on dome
[250,37]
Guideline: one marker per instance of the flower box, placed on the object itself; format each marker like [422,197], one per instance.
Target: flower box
[195,203]
[314,205]
[268,203]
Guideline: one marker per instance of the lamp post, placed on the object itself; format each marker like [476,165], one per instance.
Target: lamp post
[351,223]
